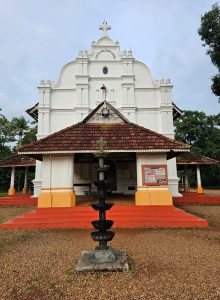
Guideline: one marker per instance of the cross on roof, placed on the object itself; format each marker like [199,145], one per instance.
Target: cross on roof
[101,142]
[105,27]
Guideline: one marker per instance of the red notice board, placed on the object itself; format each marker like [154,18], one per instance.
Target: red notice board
[154,175]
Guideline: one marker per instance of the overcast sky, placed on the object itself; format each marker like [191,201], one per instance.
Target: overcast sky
[37,37]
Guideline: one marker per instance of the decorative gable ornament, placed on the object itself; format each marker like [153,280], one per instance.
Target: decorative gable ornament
[105,113]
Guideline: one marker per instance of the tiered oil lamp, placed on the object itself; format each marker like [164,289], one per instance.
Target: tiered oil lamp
[102,235]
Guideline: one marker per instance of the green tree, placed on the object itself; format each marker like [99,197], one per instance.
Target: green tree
[6,132]
[20,126]
[30,135]
[210,34]
[6,136]
[203,133]
[1,115]
[200,131]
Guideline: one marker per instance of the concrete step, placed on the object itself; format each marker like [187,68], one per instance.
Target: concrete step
[78,217]
[89,219]
[121,224]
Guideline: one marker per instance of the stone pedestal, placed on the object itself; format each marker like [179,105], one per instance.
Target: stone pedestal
[103,260]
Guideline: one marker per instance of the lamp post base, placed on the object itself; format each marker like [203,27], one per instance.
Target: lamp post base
[103,260]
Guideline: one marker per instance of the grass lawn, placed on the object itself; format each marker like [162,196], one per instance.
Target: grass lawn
[165,263]
[3,194]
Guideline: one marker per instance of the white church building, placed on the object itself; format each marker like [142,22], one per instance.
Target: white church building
[105,93]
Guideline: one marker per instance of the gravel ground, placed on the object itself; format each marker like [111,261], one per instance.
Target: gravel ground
[165,263]
[9,212]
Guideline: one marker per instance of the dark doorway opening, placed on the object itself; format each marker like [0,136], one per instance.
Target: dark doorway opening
[111,175]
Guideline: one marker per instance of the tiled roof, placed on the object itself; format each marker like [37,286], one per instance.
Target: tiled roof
[121,137]
[17,161]
[190,158]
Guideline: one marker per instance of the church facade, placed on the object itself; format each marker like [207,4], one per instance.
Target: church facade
[105,78]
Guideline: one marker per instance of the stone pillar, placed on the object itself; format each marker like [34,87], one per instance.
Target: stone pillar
[151,194]
[37,182]
[186,183]
[173,180]
[25,188]
[199,184]
[11,190]
[57,182]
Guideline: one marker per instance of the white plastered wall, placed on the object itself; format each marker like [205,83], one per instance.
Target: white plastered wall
[57,173]
[146,159]
[130,88]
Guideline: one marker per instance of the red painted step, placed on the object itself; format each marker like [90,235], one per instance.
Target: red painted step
[18,200]
[194,198]
[123,216]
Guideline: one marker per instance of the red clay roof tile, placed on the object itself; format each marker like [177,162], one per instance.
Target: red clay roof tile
[119,136]
[17,161]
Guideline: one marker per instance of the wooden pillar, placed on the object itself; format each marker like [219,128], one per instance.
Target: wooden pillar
[25,188]
[11,190]
[186,183]
[199,184]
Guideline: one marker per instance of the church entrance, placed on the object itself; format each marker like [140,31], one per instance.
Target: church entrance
[121,176]
[111,176]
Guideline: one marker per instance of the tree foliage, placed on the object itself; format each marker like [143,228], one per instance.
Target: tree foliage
[200,131]
[30,135]
[17,130]
[210,34]
[20,126]
[6,132]
[203,133]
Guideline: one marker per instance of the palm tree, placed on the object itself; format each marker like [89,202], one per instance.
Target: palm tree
[20,126]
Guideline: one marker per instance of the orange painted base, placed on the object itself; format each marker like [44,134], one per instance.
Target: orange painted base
[25,190]
[153,197]
[186,189]
[56,199]
[199,190]
[11,191]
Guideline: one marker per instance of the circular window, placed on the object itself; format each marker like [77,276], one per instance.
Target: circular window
[105,70]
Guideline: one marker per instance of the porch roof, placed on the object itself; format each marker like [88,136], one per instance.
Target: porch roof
[17,161]
[189,158]
[120,137]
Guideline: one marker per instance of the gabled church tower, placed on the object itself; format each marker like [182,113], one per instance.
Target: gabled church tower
[130,88]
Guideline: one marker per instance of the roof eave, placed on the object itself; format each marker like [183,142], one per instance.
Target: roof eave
[107,151]
[33,112]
